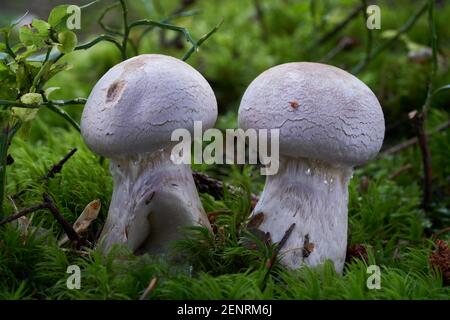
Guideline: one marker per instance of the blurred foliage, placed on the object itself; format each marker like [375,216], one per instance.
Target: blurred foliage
[385,213]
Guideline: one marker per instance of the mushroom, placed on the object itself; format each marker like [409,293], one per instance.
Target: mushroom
[129,118]
[329,122]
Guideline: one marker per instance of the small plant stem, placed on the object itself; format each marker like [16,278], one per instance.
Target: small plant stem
[23,213]
[58,167]
[341,25]
[149,289]
[64,114]
[410,142]
[7,46]
[369,39]
[8,130]
[126,29]
[405,28]
[418,121]
[67,227]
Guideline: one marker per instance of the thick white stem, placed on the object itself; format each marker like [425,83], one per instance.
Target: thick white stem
[152,199]
[314,196]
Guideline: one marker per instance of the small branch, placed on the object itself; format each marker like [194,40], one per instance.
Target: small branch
[163,25]
[369,39]
[214,187]
[58,167]
[418,120]
[9,103]
[341,25]
[150,288]
[172,17]
[65,115]
[405,28]
[67,102]
[280,245]
[23,213]
[273,258]
[202,39]
[126,29]
[102,16]
[67,227]
[439,232]
[103,37]
[410,142]
[400,170]
[7,46]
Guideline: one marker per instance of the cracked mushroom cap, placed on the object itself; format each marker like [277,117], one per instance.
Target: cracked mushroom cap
[137,104]
[322,112]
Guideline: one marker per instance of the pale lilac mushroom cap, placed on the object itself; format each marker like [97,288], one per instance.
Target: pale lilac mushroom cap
[129,118]
[322,112]
[329,121]
[138,103]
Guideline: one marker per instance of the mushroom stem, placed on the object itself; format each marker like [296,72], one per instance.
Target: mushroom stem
[152,199]
[313,195]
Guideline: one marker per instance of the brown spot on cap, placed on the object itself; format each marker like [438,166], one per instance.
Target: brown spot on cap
[294,104]
[114,90]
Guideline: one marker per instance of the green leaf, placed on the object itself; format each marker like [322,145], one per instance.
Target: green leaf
[35,34]
[67,41]
[2,47]
[58,17]
[54,70]
[49,91]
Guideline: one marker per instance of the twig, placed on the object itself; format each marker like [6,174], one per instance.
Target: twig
[280,245]
[102,16]
[9,103]
[9,127]
[126,29]
[400,170]
[170,18]
[345,43]
[410,142]
[150,288]
[102,37]
[353,14]
[439,232]
[369,39]
[65,115]
[273,258]
[67,227]
[418,118]
[68,102]
[200,41]
[58,167]
[23,213]
[215,187]
[405,28]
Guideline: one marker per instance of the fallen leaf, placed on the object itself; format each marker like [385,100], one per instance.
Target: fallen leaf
[85,219]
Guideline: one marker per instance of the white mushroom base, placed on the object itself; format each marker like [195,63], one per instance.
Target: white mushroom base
[153,199]
[314,196]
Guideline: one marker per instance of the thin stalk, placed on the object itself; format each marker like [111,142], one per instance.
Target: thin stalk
[126,29]
[8,130]
[405,28]
[65,115]
[200,41]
